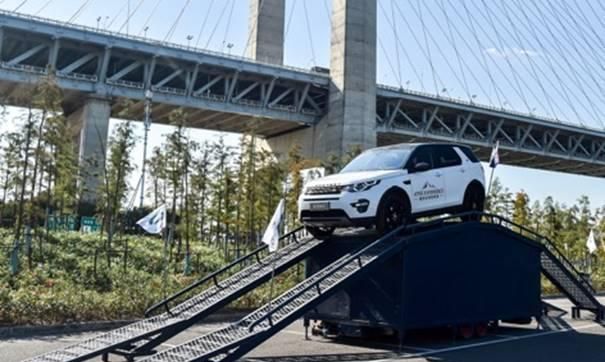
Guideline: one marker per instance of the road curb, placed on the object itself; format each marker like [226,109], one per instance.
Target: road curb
[8,332]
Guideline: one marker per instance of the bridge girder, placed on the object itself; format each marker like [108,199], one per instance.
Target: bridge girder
[223,92]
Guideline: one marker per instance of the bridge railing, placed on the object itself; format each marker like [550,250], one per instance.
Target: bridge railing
[150,41]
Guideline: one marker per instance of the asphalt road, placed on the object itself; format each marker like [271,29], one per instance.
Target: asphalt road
[553,340]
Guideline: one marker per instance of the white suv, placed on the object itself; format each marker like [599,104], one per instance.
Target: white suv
[388,186]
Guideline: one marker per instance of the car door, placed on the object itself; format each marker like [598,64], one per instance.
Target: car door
[428,187]
[448,167]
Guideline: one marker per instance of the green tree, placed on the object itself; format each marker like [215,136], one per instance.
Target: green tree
[521,212]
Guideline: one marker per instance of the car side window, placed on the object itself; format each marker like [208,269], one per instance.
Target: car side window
[421,154]
[445,156]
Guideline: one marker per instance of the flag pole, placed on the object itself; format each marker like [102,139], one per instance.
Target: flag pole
[494,160]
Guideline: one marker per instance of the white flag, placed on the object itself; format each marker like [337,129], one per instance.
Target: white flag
[155,222]
[591,243]
[494,159]
[271,236]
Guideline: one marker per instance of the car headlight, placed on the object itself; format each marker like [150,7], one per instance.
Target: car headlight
[362,186]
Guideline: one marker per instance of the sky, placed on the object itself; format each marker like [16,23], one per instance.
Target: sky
[533,58]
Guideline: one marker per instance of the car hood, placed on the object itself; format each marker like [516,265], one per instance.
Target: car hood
[355,177]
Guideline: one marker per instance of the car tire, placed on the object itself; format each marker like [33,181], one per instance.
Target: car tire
[393,211]
[474,201]
[320,232]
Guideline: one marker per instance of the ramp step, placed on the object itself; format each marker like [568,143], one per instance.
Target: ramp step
[259,325]
[571,285]
[188,311]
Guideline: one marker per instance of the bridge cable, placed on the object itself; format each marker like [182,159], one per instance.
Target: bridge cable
[176,22]
[594,12]
[20,5]
[309,34]
[582,62]
[418,13]
[428,50]
[516,85]
[218,21]
[427,57]
[590,35]
[43,7]
[562,54]
[550,60]
[532,64]
[481,60]
[591,68]
[115,17]
[78,12]
[203,26]
[534,67]
[577,41]
[389,62]
[260,9]
[396,36]
[130,15]
[412,64]
[289,21]
[500,95]
[461,82]
[453,43]
[519,80]
[589,24]
[228,26]
[153,10]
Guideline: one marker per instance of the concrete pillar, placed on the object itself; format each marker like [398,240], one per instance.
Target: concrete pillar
[266,29]
[351,117]
[92,122]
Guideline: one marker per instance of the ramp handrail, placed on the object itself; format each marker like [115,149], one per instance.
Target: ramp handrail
[213,276]
[334,267]
[546,242]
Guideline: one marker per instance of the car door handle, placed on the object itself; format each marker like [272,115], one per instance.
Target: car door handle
[407,182]
[462,170]
[438,174]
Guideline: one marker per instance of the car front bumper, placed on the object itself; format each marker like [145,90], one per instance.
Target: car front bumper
[339,210]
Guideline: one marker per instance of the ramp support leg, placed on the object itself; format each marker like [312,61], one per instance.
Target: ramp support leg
[575,313]
[306,323]
[105,357]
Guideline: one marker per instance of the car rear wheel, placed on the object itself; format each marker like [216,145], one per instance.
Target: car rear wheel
[394,211]
[320,232]
[474,200]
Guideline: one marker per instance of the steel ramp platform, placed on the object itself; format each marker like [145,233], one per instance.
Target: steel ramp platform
[228,283]
[233,341]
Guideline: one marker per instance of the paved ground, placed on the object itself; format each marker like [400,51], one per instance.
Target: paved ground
[554,340]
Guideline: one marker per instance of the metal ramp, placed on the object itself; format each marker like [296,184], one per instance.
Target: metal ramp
[232,342]
[228,283]
[559,271]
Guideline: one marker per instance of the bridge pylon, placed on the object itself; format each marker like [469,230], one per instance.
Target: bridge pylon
[351,116]
[91,122]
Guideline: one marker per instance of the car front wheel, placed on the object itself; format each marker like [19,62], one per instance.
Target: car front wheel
[394,211]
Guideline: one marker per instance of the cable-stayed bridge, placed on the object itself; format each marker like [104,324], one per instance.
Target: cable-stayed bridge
[324,110]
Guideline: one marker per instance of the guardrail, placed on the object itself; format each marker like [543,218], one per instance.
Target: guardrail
[150,41]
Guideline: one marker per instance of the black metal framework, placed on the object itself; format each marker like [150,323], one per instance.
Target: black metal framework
[223,286]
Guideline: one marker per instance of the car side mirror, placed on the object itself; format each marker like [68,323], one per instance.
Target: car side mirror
[421,166]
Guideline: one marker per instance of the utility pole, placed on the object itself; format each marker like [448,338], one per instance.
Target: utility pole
[147,123]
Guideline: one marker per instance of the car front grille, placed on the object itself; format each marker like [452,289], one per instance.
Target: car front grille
[324,190]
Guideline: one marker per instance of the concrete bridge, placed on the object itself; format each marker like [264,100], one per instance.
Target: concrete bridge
[325,111]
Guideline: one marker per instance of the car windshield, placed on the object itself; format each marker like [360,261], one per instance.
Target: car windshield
[378,159]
